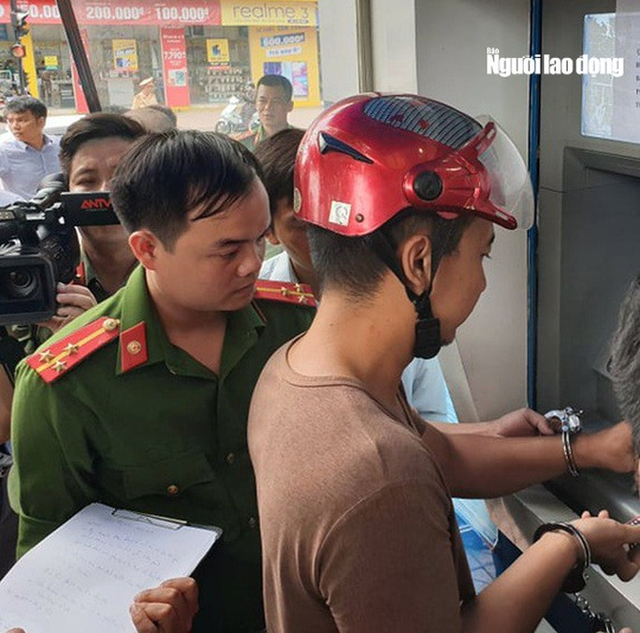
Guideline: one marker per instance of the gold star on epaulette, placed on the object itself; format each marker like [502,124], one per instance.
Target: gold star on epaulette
[285,291]
[59,366]
[72,348]
[46,356]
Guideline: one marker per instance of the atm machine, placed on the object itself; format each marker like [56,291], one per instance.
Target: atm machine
[588,252]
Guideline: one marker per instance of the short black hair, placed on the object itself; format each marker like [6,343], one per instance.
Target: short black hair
[167,111]
[277,156]
[277,81]
[169,175]
[351,264]
[25,103]
[115,109]
[91,127]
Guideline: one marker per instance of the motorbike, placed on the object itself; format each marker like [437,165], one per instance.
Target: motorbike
[238,115]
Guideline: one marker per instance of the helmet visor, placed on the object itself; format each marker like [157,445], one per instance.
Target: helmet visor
[510,193]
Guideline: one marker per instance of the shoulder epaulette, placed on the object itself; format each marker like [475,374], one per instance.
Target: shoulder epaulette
[54,361]
[300,294]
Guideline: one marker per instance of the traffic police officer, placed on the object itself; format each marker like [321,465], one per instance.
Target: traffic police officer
[142,402]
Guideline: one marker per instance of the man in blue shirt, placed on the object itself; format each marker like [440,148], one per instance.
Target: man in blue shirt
[31,154]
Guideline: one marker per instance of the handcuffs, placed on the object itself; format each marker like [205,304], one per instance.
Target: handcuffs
[568,419]
[568,422]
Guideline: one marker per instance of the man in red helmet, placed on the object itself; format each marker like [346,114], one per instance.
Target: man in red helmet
[358,531]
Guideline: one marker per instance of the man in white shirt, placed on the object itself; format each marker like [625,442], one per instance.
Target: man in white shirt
[31,154]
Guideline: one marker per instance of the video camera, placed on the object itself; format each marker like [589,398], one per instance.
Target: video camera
[39,248]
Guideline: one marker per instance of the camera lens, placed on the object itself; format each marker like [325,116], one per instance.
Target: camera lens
[20,283]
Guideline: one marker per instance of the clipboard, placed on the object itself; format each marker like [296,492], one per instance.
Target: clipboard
[85,574]
[160,521]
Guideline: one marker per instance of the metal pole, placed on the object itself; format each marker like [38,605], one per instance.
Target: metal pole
[365,46]
[22,80]
[79,54]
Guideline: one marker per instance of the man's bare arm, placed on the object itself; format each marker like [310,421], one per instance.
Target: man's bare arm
[479,466]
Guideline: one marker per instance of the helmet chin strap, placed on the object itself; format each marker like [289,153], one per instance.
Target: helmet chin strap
[427,341]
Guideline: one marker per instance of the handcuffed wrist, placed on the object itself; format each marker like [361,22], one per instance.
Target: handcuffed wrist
[576,579]
[569,457]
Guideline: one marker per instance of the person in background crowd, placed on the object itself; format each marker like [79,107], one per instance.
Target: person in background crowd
[401,194]
[168,112]
[7,198]
[147,94]
[274,101]
[31,154]
[182,345]
[154,118]
[90,151]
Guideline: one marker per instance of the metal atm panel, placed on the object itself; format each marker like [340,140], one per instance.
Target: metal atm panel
[588,254]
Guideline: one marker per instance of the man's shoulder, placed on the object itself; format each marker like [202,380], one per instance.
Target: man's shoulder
[272,292]
[53,139]
[286,309]
[69,348]
[248,138]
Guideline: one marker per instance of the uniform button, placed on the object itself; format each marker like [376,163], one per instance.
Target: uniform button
[173,489]
[134,347]
[231,458]
[111,324]
[253,522]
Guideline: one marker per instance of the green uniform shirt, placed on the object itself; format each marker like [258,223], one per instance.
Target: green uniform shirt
[89,278]
[167,437]
[251,139]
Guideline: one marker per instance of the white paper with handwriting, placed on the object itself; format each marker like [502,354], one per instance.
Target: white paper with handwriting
[83,576]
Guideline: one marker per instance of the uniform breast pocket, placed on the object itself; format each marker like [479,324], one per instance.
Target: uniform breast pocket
[170,478]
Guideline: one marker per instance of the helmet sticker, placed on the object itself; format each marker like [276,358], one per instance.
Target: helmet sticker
[340,213]
[428,118]
[297,200]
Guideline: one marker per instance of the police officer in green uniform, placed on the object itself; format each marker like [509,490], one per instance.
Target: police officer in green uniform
[142,402]
[274,101]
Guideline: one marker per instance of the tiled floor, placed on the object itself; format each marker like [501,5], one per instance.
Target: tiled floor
[479,556]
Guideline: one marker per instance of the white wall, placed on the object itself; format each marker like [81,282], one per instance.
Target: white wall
[338,49]
[393,26]
[451,41]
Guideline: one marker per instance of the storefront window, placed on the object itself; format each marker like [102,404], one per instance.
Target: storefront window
[200,53]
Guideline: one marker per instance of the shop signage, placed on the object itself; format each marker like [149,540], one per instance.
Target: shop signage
[253,12]
[174,67]
[51,62]
[218,51]
[125,55]
[291,52]
[107,12]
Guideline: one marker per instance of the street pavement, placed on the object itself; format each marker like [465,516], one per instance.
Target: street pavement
[205,118]
[195,118]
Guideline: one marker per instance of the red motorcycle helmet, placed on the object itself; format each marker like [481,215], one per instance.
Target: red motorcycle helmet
[370,156]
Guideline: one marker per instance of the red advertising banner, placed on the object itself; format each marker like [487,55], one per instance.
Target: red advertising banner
[81,100]
[174,67]
[119,12]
